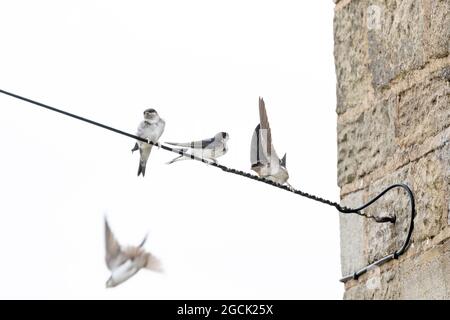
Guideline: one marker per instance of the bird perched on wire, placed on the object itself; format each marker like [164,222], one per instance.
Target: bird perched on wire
[209,149]
[151,129]
[126,262]
[263,157]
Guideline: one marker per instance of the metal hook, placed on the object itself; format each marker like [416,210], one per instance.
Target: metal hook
[406,243]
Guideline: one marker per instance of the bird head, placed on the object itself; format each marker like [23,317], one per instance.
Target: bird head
[222,136]
[151,115]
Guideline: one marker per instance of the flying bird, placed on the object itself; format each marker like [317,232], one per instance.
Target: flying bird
[126,262]
[263,157]
[151,128]
[209,149]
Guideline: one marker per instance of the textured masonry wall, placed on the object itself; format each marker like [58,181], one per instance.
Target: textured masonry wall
[393,104]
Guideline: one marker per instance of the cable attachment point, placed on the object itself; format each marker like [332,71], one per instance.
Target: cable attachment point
[406,241]
[385,219]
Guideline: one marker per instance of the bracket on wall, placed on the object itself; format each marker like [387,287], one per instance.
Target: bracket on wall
[406,243]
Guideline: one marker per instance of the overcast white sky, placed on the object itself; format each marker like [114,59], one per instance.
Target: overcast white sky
[202,65]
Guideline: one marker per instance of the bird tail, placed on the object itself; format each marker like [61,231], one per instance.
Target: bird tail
[283,161]
[175,159]
[141,168]
[145,153]
[180,157]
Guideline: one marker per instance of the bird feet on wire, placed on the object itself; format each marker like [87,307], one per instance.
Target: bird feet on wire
[390,219]
[149,141]
[209,161]
[289,186]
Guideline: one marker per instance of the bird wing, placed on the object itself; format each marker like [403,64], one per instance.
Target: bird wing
[162,125]
[114,255]
[265,132]
[257,151]
[143,241]
[141,128]
[254,147]
[200,144]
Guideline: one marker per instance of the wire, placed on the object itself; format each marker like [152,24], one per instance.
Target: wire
[342,209]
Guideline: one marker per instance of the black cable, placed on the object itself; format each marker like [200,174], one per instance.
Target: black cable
[340,208]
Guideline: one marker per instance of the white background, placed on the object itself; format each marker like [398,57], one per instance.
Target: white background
[202,65]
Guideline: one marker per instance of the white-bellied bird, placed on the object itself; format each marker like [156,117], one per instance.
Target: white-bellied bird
[263,157]
[151,129]
[126,262]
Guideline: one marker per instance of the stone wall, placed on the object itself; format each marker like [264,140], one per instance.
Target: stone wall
[393,104]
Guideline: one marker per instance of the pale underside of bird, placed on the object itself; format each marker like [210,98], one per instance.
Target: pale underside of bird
[151,129]
[126,262]
[263,157]
[208,149]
